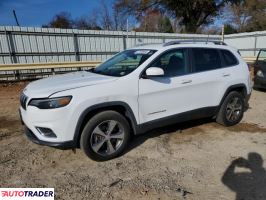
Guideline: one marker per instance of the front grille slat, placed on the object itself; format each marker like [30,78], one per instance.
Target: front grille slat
[23,100]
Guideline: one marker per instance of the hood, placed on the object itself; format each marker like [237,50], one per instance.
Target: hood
[48,86]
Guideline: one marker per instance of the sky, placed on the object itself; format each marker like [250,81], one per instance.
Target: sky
[36,13]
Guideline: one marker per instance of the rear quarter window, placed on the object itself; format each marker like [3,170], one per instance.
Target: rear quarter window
[229,58]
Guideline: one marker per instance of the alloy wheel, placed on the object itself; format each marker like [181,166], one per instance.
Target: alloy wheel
[107,137]
[234,109]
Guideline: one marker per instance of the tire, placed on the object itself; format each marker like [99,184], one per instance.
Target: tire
[105,136]
[232,109]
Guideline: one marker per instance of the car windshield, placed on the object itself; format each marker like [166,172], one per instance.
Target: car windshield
[124,62]
[262,56]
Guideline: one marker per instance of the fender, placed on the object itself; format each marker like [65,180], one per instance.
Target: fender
[234,87]
[129,113]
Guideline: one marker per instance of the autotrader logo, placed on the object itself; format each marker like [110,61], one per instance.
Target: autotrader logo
[27,193]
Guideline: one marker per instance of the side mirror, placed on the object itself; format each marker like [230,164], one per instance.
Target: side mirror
[154,71]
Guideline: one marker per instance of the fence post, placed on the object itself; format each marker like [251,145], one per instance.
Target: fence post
[223,33]
[76,46]
[135,38]
[124,42]
[255,44]
[11,47]
[12,52]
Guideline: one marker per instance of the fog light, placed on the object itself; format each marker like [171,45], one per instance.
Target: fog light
[46,132]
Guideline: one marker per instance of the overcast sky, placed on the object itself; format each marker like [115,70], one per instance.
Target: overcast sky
[39,12]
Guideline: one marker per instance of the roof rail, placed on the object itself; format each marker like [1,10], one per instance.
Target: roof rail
[216,42]
[144,44]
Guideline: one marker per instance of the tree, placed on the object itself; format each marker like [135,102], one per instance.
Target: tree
[61,20]
[155,21]
[190,14]
[88,23]
[229,29]
[120,21]
[246,15]
[257,10]
[105,17]
[166,26]
[82,23]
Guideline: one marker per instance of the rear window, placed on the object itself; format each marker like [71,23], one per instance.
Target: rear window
[229,58]
[206,59]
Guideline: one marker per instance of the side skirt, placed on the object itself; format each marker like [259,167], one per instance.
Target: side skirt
[181,117]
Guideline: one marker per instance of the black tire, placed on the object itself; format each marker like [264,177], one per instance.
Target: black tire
[223,116]
[102,120]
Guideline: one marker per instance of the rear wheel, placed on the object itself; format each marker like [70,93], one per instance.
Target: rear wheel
[105,136]
[232,109]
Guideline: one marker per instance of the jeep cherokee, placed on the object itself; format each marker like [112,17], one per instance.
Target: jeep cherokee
[136,90]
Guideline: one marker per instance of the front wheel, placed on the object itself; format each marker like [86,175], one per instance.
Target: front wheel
[232,109]
[105,136]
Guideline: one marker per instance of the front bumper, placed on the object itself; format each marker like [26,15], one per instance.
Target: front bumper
[32,119]
[59,145]
[259,82]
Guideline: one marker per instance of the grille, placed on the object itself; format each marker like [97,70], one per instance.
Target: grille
[23,100]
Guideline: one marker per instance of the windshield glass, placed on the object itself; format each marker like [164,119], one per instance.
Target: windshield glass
[124,62]
[262,56]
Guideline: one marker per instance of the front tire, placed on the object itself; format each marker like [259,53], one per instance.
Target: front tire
[232,110]
[105,136]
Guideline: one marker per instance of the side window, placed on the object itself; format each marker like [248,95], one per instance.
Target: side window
[172,62]
[229,58]
[205,59]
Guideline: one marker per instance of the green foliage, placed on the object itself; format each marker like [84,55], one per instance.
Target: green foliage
[166,26]
[229,29]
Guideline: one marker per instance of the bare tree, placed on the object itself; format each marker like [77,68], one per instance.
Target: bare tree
[119,20]
[105,16]
[246,15]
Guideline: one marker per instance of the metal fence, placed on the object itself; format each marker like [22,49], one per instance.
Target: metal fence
[42,45]
[55,51]
[248,44]
[38,45]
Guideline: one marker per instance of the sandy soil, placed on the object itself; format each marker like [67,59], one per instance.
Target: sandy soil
[184,161]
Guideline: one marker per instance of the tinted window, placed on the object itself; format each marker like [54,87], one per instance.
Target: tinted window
[229,58]
[206,59]
[173,63]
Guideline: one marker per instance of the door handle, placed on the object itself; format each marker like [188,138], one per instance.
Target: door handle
[226,74]
[186,81]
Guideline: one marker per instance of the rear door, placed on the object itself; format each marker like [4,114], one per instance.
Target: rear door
[208,77]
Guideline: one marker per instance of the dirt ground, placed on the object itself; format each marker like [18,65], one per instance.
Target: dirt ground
[195,160]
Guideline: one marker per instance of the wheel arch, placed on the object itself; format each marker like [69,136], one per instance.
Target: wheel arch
[119,106]
[241,88]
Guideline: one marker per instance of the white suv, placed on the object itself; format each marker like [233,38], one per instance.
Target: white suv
[136,90]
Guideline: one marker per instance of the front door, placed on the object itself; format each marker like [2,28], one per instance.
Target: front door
[170,94]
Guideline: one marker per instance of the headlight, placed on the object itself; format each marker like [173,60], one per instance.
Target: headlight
[57,102]
[260,73]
